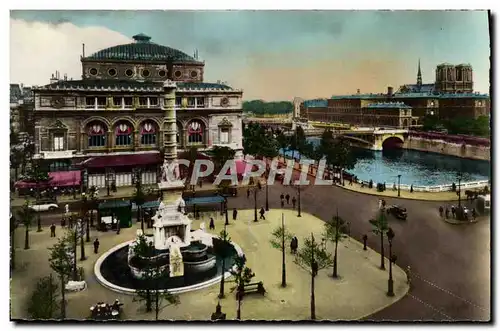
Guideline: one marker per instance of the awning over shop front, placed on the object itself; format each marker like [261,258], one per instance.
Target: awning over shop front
[122,160]
[204,200]
[57,179]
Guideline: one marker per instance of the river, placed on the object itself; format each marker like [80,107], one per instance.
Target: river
[415,167]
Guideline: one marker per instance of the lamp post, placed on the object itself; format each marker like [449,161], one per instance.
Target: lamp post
[255,202]
[222,280]
[267,190]
[87,234]
[459,195]
[399,185]
[390,283]
[225,211]
[298,206]
[218,315]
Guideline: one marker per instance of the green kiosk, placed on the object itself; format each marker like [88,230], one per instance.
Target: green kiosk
[121,209]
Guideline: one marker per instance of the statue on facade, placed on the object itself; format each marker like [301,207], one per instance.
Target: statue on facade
[170,171]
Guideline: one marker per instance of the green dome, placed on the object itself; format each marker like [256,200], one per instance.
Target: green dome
[141,50]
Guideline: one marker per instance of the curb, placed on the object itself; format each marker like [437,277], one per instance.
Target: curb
[388,196]
[454,222]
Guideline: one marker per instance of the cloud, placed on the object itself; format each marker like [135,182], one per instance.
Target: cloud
[38,49]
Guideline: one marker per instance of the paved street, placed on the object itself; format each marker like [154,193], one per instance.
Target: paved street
[450,263]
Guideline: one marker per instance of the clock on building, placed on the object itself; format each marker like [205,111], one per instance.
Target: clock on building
[224,102]
[57,102]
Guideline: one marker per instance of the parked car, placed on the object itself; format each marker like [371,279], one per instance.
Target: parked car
[44,205]
[398,212]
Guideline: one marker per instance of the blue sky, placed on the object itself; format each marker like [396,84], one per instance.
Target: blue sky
[271,55]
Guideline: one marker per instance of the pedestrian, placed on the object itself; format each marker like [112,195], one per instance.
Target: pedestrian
[453,211]
[282,203]
[293,245]
[248,193]
[235,213]
[96,246]
[441,211]
[262,212]
[473,213]
[287,197]
[294,200]
[282,196]
[447,213]
[52,230]
[211,226]
[63,222]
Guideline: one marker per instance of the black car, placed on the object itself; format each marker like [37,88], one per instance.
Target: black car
[398,212]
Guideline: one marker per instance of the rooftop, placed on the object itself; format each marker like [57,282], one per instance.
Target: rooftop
[141,50]
[398,105]
[129,85]
[316,103]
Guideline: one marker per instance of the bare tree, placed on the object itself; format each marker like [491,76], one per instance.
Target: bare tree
[280,236]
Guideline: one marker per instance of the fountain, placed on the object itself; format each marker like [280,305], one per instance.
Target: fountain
[192,259]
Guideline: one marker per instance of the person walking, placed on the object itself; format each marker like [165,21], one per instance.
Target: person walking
[96,245]
[474,213]
[262,212]
[294,201]
[447,213]
[282,203]
[248,193]
[52,230]
[453,211]
[235,213]
[287,197]
[282,196]
[441,211]
[211,226]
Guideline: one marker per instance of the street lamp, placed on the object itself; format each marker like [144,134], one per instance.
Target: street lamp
[255,189]
[399,185]
[390,287]
[267,189]
[218,315]
[459,195]
[298,201]
[225,211]
[84,199]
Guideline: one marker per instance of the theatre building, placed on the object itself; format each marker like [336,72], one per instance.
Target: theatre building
[111,123]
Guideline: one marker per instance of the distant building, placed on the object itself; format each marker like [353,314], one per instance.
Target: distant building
[449,97]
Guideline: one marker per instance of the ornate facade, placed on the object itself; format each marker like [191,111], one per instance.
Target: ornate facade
[112,120]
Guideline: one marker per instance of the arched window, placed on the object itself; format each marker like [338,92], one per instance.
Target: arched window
[97,135]
[148,134]
[195,132]
[123,134]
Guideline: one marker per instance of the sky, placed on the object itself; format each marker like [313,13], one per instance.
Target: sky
[271,55]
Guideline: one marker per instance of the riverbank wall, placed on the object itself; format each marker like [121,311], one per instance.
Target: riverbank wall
[467,151]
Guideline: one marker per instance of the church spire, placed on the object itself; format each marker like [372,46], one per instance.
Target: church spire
[419,75]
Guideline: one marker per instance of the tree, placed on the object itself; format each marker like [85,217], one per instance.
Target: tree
[260,107]
[139,198]
[280,236]
[241,275]
[26,214]
[61,259]
[152,275]
[283,142]
[298,141]
[380,227]
[38,176]
[313,257]
[220,155]
[334,232]
[93,196]
[343,155]
[43,302]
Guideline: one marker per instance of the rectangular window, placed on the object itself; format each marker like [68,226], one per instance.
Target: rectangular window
[89,102]
[58,142]
[191,102]
[200,102]
[224,136]
[153,101]
[97,141]
[148,139]
[101,102]
[143,101]
[178,101]
[128,102]
[117,101]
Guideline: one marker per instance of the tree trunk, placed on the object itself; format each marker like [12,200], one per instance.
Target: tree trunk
[313,302]
[222,280]
[335,259]
[26,238]
[157,303]
[63,299]
[82,248]
[382,260]
[12,250]
[283,267]
[139,216]
[149,304]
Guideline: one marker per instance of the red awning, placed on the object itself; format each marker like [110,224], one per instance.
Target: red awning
[122,160]
[57,179]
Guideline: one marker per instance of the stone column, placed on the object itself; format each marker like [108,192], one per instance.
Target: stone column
[110,143]
[136,139]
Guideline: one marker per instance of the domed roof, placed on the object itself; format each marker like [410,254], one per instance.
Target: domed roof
[141,50]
